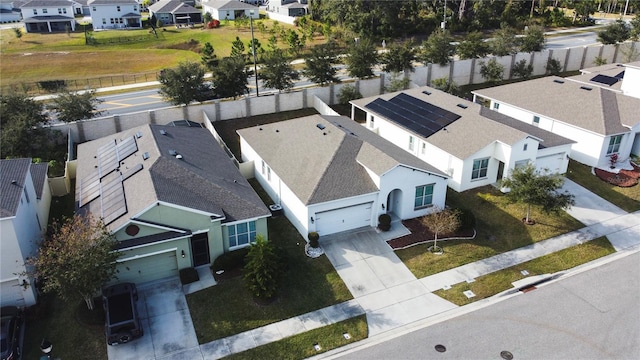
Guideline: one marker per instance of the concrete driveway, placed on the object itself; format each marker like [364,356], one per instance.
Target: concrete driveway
[168,329]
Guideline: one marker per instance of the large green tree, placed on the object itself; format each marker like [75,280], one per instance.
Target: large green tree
[438,48]
[473,46]
[184,84]
[361,58]
[209,58]
[504,42]
[77,260]
[262,270]
[614,33]
[635,27]
[230,78]
[22,126]
[74,106]
[399,57]
[492,71]
[277,72]
[533,39]
[319,64]
[529,186]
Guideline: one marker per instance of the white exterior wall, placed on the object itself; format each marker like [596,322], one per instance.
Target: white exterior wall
[393,133]
[108,12]
[228,13]
[631,82]
[20,237]
[565,150]
[27,12]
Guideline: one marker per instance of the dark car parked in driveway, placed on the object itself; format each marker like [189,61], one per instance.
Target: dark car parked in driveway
[122,319]
[11,333]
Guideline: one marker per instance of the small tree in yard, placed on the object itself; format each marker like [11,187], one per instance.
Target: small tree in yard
[263,269]
[73,106]
[491,71]
[441,221]
[18,32]
[527,185]
[522,70]
[77,260]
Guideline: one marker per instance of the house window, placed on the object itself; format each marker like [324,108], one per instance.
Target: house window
[480,167]
[371,122]
[64,11]
[536,120]
[411,142]
[496,106]
[118,7]
[93,8]
[35,11]
[104,21]
[44,11]
[268,173]
[521,163]
[424,148]
[424,196]
[135,8]
[614,144]
[263,167]
[242,234]
[524,148]
[111,19]
[59,11]
[120,20]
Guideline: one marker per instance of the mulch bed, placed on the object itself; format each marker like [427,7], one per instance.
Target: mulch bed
[420,234]
[625,178]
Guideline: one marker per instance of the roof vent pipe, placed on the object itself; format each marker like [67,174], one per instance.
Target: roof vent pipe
[178,156]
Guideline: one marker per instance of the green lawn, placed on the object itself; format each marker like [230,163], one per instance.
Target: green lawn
[301,346]
[627,199]
[494,283]
[309,284]
[499,229]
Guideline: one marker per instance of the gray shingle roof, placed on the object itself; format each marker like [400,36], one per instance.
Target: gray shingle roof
[228,5]
[13,174]
[39,177]
[326,164]
[204,178]
[172,6]
[598,110]
[111,2]
[47,3]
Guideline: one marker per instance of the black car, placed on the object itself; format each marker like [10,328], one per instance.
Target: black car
[11,333]
[122,320]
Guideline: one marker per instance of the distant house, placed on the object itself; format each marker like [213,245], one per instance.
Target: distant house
[48,16]
[622,78]
[9,11]
[170,195]
[471,144]
[24,214]
[600,121]
[115,14]
[289,7]
[175,12]
[330,174]
[229,9]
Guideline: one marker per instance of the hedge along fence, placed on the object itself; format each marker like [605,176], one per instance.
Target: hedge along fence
[52,86]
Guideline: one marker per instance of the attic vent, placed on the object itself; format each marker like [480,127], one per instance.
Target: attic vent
[558,81]
[585,88]
[463,106]
[277,130]
[172,152]
[260,129]
[426,92]
[162,132]
[145,156]
[138,134]
[178,156]
[320,126]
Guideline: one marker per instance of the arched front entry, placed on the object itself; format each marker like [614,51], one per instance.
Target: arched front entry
[394,203]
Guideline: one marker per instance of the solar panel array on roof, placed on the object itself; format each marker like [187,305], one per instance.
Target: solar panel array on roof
[414,114]
[112,199]
[110,154]
[605,79]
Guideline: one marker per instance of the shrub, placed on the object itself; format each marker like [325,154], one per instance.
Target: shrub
[313,239]
[231,260]
[467,219]
[263,270]
[384,222]
[188,275]
[348,93]
[52,85]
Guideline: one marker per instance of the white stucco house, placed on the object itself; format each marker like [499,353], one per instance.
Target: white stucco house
[115,14]
[175,12]
[48,16]
[600,121]
[330,174]
[24,215]
[288,7]
[9,11]
[230,9]
[170,195]
[474,146]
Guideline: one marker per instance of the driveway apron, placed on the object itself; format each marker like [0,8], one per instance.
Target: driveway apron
[383,286]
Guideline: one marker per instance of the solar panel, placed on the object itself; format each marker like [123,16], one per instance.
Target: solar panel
[414,114]
[605,79]
[112,198]
[126,147]
[89,189]
[127,174]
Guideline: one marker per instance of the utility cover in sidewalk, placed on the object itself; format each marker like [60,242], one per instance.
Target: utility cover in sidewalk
[469,281]
[446,287]
[469,294]
[524,272]
[440,348]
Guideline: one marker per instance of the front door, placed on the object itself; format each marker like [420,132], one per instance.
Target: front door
[500,170]
[200,249]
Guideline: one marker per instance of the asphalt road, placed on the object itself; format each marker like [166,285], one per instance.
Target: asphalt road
[131,102]
[569,41]
[591,315]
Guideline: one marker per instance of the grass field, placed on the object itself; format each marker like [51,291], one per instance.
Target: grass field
[499,281]
[38,57]
[499,229]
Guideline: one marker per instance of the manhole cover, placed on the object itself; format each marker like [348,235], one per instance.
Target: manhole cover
[506,355]
[440,348]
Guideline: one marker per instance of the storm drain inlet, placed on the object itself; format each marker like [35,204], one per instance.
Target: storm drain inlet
[440,348]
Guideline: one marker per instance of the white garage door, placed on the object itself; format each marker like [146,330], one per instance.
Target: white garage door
[347,218]
[550,162]
[148,268]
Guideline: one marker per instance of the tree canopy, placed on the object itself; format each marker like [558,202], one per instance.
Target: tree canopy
[230,78]
[319,64]
[441,221]
[209,58]
[504,42]
[533,39]
[473,46]
[361,58]
[492,71]
[531,187]
[277,72]
[72,106]
[615,33]
[399,57]
[77,260]
[438,48]
[262,270]
[184,84]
